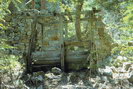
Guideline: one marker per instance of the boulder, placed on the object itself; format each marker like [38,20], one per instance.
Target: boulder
[37,78]
[121,58]
[130,79]
[56,71]
[127,65]
[104,79]
[73,78]
[130,43]
[106,72]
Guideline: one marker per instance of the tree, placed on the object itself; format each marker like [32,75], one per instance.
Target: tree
[79,6]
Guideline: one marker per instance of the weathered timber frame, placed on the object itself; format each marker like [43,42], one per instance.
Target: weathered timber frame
[62,46]
[42,4]
[32,46]
[40,18]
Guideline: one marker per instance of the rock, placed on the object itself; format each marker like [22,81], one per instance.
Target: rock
[37,78]
[121,58]
[92,80]
[121,70]
[52,76]
[127,65]
[98,79]
[34,81]
[96,85]
[81,87]
[106,72]
[66,87]
[112,81]
[104,79]
[36,74]
[56,71]
[131,69]
[114,70]
[74,87]
[73,78]
[114,44]
[130,43]
[125,83]
[131,79]
[109,86]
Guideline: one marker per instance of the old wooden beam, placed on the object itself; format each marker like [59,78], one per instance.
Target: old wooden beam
[43,2]
[33,4]
[56,60]
[62,45]
[49,53]
[55,53]
[77,43]
[44,14]
[32,46]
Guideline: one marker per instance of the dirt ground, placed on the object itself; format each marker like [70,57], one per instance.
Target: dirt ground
[105,78]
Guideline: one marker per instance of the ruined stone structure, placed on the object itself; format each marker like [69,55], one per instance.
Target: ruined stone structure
[43,39]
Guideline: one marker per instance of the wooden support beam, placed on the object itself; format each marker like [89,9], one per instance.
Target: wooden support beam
[77,43]
[71,57]
[62,57]
[62,45]
[73,13]
[43,2]
[33,4]
[62,14]
[32,46]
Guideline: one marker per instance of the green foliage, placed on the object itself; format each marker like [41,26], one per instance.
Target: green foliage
[3,9]
[7,61]
[128,16]
[54,0]
[125,54]
[123,50]
[127,51]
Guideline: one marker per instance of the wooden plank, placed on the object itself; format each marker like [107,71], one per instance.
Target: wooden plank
[47,59]
[69,59]
[53,53]
[33,4]
[76,43]
[69,53]
[56,53]
[38,65]
[32,46]
[82,12]
[60,14]
[51,48]
[43,2]
[43,15]
[47,62]
[40,19]
[54,62]
[73,59]
[63,58]
[54,43]
[62,45]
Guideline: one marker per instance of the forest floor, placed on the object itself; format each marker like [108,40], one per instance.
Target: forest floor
[109,77]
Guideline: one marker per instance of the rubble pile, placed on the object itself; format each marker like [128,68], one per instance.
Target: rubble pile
[109,77]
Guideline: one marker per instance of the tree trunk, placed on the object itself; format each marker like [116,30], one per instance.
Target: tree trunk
[77,22]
